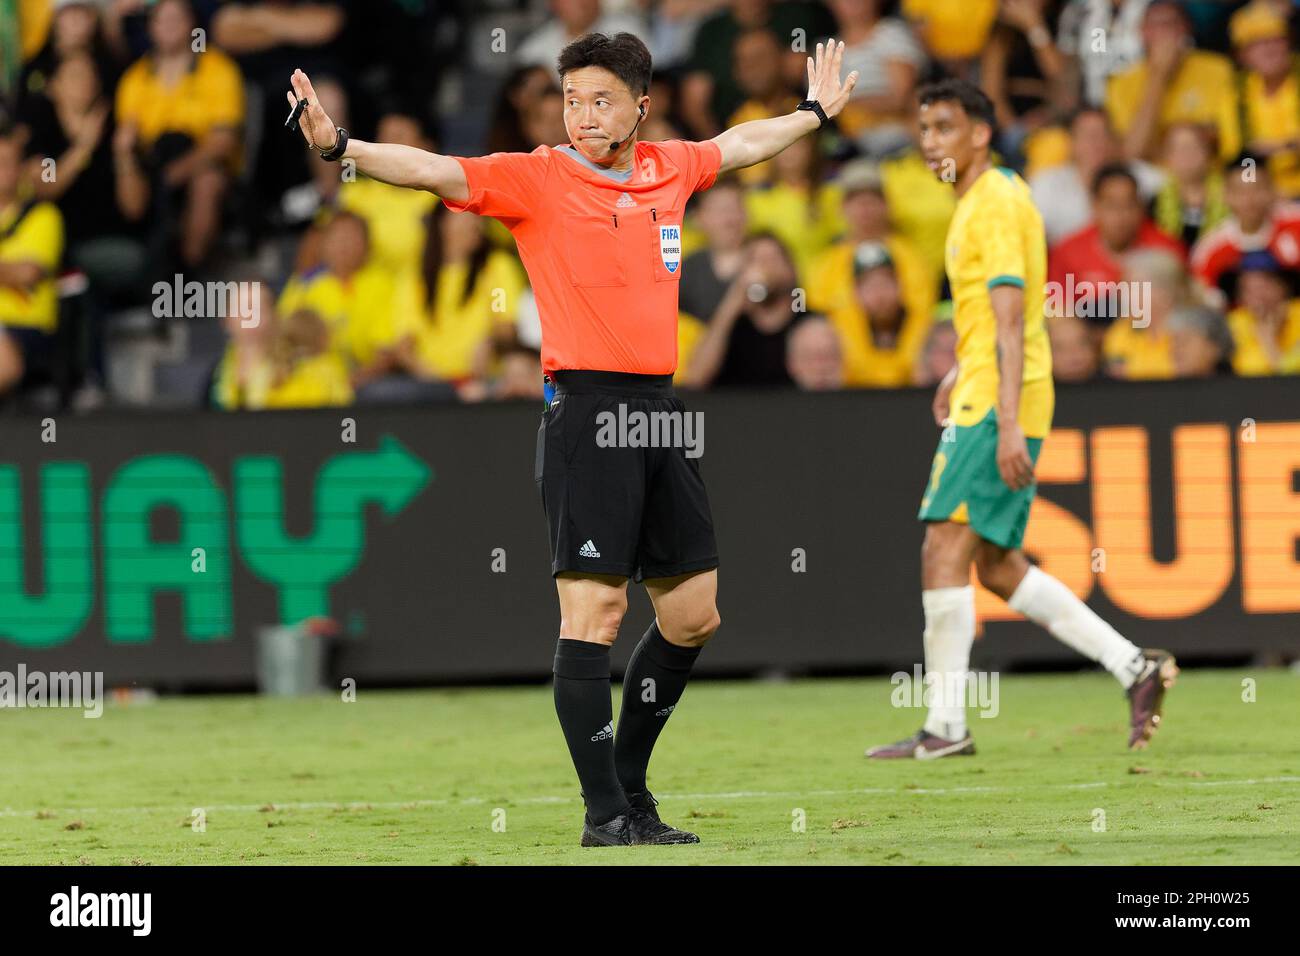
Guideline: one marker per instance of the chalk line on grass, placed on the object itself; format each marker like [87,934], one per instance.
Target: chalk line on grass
[270,806]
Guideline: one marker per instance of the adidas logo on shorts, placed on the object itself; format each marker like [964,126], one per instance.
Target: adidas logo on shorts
[606,733]
[588,550]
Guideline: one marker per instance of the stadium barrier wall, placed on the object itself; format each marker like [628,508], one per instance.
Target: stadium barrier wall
[152,546]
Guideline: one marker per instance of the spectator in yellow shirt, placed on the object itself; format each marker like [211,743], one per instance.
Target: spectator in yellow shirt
[397,217]
[308,373]
[280,360]
[867,219]
[1175,82]
[352,296]
[177,143]
[799,207]
[1265,325]
[1138,345]
[246,372]
[1270,92]
[31,248]
[881,336]
[474,291]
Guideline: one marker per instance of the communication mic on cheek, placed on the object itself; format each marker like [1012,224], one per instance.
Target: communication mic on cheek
[613,147]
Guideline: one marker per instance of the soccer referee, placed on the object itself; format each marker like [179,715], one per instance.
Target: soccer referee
[598,224]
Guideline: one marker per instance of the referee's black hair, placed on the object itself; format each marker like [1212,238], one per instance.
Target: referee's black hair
[623,54]
[1114,171]
[973,101]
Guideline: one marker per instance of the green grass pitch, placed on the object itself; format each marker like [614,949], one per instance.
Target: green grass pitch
[481,776]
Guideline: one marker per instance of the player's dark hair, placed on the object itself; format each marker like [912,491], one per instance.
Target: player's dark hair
[1113,171]
[973,101]
[623,54]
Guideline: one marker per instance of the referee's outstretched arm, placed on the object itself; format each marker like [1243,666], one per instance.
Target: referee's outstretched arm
[387,162]
[759,140]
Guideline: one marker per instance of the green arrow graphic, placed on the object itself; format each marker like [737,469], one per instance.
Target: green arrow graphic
[304,568]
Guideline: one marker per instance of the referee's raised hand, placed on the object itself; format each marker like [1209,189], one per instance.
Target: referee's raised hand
[824,84]
[316,126]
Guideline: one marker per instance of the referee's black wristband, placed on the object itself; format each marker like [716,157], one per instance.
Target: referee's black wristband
[816,108]
[335,153]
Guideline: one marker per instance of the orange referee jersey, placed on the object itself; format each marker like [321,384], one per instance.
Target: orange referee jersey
[603,249]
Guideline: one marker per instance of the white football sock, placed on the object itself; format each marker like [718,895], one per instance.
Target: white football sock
[1046,601]
[949,633]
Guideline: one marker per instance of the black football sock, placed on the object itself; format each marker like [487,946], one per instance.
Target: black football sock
[655,679]
[586,716]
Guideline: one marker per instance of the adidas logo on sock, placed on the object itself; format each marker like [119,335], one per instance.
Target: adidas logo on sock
[666,711]
[588,550]
[624,201]
[606,733]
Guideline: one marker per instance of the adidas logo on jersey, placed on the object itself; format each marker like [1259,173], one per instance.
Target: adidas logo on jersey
[606,733]
[666,711]
[588,550]
[624,201]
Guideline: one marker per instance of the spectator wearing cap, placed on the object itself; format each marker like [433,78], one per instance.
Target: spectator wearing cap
[1265,325]
[1120,227]
[1270,92]
[1088,67]
[800,207]
[179,117]
[719,213]
[888,61]
[867,218]
[881,336]
[1259,220]
[1199,343]
[1138,345]
[1063,193]
[1190,203]
[814,357]
[1174,82]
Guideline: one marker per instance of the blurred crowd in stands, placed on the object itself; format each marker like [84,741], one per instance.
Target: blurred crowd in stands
[142,142]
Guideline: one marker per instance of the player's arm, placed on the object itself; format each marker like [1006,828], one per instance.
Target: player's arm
[758,140]
[389,163]
[1014,463]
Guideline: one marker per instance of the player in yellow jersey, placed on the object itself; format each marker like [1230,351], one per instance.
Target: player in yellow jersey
[995,408]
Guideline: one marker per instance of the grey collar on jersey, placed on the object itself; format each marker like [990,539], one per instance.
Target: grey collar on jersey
[613,174]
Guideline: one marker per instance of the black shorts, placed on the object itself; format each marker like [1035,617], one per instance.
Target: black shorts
[618,500]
